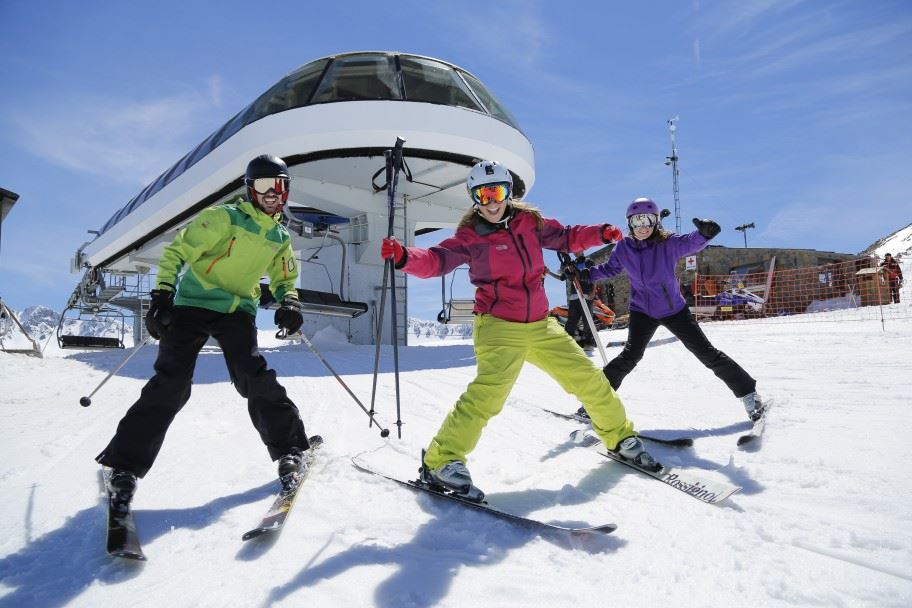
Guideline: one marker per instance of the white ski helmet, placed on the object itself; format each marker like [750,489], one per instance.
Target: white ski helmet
[488,172]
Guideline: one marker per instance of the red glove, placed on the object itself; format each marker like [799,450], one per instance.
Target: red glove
[611,233]
[391,248]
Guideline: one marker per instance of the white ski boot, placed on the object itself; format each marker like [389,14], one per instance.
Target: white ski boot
[633,450]
[454,477]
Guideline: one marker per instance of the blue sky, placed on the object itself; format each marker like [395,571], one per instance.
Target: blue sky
[793,115]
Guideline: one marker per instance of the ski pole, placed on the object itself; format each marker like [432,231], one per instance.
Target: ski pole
[565,261]
[87,401]
[282,335]
[393,163]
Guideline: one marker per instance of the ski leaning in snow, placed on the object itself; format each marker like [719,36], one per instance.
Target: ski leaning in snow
[122,540]
[685,480]
[678,442]
[275,518]
[418,485]
[756,431]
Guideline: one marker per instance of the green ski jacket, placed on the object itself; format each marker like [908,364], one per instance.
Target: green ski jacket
[227,249]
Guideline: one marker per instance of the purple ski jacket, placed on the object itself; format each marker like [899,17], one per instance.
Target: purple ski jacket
[654,288]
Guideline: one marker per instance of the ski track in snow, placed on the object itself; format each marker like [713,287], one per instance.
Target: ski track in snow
[823,518]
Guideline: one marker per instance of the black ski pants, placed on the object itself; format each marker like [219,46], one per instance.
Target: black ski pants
[574,316]
[684,327]
[142,430]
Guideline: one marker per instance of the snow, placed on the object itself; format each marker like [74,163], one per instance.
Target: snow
[899,244]
[823,519]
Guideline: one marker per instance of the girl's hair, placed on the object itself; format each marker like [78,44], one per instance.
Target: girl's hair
[471,217]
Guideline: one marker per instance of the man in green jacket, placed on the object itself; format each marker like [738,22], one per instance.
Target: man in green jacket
[226,250]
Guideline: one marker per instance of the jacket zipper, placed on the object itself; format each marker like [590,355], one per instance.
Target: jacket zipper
[519,250]
[227,254]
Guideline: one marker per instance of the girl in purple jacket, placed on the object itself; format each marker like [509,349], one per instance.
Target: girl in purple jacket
[649,256]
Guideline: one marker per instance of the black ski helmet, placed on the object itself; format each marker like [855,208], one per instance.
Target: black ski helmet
[265,165]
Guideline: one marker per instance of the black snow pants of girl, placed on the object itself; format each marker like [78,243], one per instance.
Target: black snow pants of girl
[684,327]
[142,430]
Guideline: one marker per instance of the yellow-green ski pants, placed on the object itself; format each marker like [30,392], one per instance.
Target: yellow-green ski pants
[501,348]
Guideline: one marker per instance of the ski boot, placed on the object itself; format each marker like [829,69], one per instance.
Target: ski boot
[582,413]
[290,470]
[121,487]
[754,406]
[633,450]
[453,477]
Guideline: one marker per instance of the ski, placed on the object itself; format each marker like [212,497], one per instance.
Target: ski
[686,480]
[275,517]
[122,539]
[486,507]
[678,442]
[757,427]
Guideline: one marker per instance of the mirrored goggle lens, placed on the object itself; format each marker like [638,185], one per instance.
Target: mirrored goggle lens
[643,220]
[490,193]
[262,185]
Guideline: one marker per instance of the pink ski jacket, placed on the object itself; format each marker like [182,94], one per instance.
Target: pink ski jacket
[505,264]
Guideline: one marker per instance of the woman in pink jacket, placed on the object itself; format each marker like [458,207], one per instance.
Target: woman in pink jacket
[501,240]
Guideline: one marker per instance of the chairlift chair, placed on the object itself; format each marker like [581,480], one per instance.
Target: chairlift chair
[106,315]
[454,310]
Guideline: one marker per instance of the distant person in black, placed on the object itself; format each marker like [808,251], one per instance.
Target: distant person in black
[582,336]
[894,276]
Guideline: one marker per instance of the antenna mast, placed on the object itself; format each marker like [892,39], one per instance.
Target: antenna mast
[673,161]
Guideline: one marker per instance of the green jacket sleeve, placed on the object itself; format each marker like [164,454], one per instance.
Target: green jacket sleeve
[283,274]
[201,235]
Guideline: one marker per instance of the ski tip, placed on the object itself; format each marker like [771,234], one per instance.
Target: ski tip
[131,555]
[315,441]
[253,534]
[603,529]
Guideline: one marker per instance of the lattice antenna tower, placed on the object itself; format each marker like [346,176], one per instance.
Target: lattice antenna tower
[673,162]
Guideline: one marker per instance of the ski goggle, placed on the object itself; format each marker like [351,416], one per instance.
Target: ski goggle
[490,193]
[262,185]
[643,220]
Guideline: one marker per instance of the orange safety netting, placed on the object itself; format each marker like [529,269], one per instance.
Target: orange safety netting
[856,289]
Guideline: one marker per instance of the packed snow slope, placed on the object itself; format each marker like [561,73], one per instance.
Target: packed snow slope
[823,519]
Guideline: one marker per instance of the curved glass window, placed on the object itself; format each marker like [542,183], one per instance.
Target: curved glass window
[292,91]
[491,104]
[435,82]
[359,77]
[353,77]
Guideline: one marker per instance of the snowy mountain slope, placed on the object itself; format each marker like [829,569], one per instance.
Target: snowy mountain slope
[899,244]
[823,518]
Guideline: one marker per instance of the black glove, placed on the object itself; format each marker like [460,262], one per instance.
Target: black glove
[289,317]
[572,271]
[707,228]
[158,319]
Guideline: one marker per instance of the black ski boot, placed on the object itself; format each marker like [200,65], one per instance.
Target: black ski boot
[290,469]
[122,486]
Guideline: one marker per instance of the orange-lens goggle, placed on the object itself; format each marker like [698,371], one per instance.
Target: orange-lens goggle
[491,193]
[262,185]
